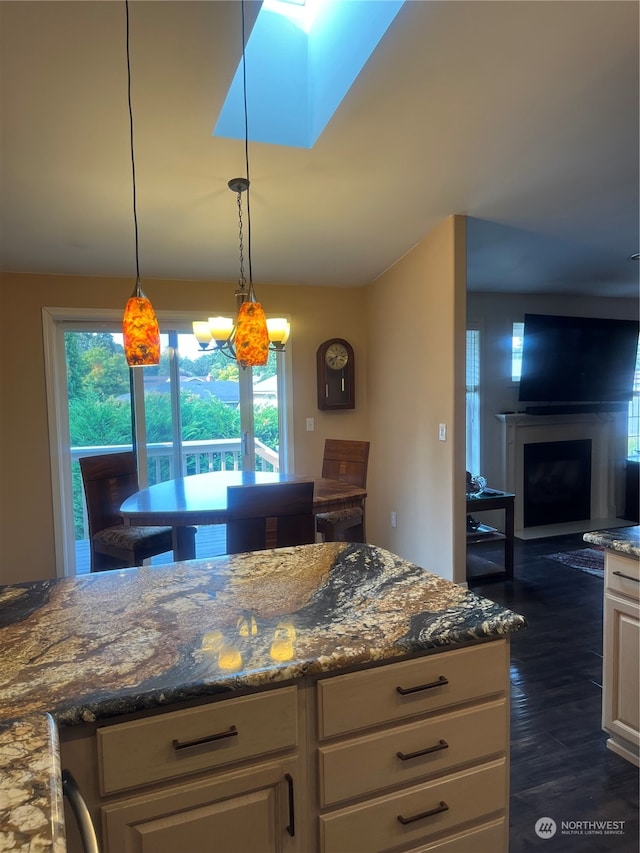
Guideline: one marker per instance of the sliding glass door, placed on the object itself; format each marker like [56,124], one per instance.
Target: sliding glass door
[194,412]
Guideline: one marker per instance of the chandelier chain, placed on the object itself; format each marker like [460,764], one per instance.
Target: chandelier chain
[243,280]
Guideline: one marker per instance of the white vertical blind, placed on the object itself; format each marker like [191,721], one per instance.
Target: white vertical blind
[473,401]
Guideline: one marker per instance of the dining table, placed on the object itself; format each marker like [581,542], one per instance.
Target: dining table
[202,499]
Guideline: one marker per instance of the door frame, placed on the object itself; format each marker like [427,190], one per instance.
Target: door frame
[55,321]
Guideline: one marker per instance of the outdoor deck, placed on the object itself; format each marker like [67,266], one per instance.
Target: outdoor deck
[211,541]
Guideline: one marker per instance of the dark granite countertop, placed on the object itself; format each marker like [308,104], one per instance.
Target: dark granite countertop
[624,540]
[97,646]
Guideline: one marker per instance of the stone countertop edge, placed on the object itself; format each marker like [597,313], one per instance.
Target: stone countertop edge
[95,647]
[31,797]
[624,540]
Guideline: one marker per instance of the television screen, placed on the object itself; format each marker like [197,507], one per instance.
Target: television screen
[577,359]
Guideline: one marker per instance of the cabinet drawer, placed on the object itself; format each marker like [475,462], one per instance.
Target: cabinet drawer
[434,808]
[360,700]
[623,575]
[180,742]
[492,837]
[368,764]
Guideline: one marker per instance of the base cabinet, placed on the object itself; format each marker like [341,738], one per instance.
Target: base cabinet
[410,756]
[242,812]
[219,776]
[414,756]
[621,645]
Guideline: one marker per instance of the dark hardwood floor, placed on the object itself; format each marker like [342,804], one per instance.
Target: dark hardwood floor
[560,766]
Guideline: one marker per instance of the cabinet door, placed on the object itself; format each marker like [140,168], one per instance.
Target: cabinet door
[248,810]
[621,710]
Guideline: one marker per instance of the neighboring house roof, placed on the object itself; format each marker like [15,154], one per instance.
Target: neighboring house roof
[228,392]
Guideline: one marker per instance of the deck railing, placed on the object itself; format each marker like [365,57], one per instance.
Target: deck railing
[198,457]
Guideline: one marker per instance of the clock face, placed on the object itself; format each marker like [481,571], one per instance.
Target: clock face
[336,356]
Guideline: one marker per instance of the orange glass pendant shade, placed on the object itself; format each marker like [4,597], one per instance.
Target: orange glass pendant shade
[140,331]
[252,336]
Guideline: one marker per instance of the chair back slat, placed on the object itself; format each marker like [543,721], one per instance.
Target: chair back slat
[108,480]
[274,515]
[346,461]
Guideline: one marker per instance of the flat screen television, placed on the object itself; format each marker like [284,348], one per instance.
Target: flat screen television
[577,359]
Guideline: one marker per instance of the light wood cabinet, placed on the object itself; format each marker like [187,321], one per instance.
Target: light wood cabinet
[411,755]
[228,771]
[414,756]
[621,644]
[232,812]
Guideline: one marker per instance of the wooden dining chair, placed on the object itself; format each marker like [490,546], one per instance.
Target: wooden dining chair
[108,480]
[273,515]
[347,461]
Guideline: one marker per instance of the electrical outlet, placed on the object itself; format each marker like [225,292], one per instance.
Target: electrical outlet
[310,425]
[442,432]
[394,519]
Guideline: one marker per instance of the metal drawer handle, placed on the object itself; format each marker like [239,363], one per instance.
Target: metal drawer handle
[443,807]
[403,691]
[442,744]
[187,744]
[628,577]
[291,828]
[80,812]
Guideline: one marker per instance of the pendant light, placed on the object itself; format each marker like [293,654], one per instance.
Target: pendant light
[140,328]
[252,336]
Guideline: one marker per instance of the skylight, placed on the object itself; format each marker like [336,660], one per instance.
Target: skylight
[302,57]
[302,13]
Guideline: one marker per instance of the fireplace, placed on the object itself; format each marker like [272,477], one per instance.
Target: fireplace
[557,482]
[565,470]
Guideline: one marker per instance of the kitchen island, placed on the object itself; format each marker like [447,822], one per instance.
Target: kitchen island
[251,696]
[621,639]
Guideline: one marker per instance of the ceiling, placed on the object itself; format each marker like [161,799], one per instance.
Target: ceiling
[522,115]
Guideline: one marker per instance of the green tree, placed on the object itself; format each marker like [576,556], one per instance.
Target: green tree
[265,420]
[104,375]
[93,421]
[74,365]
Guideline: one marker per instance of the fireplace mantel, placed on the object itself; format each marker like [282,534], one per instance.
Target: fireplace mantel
[607,432]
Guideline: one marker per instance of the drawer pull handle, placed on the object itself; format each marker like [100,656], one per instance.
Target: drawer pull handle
[403,691]
[405,756]
[443,807]
[291,829]
[88,838]
[628,577]
[187,744]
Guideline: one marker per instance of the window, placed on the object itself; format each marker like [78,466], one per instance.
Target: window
[194,412]
[473,401]
[516,351]
[633,448]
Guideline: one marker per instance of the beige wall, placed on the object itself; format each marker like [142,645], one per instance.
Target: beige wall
[407,330]
[416,382]
[26,516]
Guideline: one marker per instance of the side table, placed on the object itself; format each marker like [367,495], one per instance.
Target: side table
[493,499]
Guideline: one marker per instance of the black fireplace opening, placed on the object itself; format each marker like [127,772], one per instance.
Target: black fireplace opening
[557,482]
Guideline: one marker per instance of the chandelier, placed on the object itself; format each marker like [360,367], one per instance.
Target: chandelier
[252,336]
[140,330]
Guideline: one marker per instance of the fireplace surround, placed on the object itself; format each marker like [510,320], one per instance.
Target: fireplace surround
[582,457]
